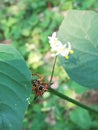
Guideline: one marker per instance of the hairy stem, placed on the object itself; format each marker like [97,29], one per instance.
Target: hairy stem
[71,100]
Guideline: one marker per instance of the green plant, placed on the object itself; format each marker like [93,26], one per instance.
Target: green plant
[10,55]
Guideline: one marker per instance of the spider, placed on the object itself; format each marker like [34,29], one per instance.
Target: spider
[39,86]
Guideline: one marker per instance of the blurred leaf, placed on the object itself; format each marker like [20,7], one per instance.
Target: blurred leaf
[39,121]
[78,88]
[15,86]
[25,32]
[80,29]
[81,118]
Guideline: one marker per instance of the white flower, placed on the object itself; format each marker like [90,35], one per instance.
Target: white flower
[61,50]
[54,42]
[65,50]
[53,39]
[58,48]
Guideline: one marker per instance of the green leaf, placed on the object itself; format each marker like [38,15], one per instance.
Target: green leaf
[15,87]
[80,28]
[81,118]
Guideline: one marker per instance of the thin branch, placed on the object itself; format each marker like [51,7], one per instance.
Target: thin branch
[53,70]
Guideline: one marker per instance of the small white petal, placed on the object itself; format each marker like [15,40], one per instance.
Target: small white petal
[49,37]
[54,34]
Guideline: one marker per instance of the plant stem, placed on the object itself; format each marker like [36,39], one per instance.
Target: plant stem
[71,100]
[53,70]
[66,97]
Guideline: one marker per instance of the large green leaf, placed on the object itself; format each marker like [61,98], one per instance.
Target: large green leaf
[80,28]
[15,87]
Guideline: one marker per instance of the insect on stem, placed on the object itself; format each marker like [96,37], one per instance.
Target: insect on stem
[39,86]
[53,70]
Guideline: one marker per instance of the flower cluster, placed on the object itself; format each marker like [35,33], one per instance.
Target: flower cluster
[58,48]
